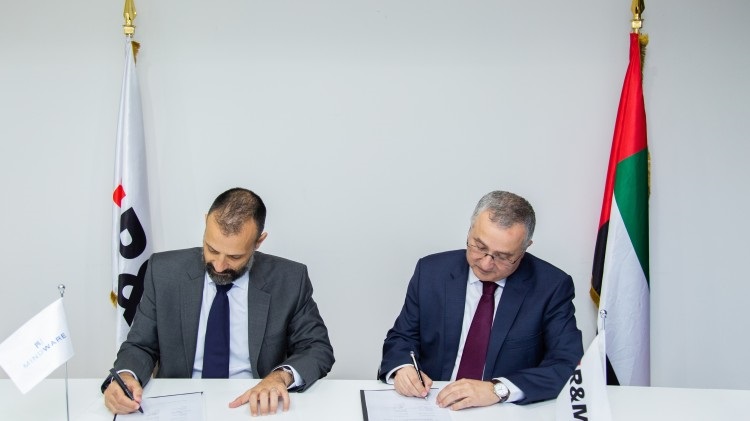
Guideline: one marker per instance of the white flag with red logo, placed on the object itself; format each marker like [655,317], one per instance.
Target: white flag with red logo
[131,221]
[37,348]
[584,396]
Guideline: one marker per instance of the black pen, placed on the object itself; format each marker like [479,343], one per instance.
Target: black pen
[124,388]
[416,367]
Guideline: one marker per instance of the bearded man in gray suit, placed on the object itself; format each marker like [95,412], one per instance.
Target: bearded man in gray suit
[275,330]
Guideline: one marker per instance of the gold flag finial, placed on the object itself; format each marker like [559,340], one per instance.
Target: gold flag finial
[129,14]
[637,23]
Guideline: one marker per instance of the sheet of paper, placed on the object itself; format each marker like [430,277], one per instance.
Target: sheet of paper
[388,405]
[181,407]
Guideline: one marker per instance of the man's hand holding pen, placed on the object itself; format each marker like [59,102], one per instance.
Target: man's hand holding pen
[406,380]
[116,400]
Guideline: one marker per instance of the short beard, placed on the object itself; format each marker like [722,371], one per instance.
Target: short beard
[227,276]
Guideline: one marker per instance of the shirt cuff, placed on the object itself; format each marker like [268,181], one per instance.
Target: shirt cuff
[298,382]
[391,374]
[110,379]
[129,372]
[516,394]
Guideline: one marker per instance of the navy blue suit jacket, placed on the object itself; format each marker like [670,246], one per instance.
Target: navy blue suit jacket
[534,343]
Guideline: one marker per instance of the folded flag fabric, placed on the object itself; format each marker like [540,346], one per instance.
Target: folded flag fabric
[584,396]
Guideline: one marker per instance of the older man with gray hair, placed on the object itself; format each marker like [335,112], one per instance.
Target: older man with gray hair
[495,320]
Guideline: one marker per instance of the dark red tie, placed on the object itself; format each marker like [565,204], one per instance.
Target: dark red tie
[475,348]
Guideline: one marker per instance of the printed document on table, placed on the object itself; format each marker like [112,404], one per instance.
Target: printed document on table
[181,407]
[388,405]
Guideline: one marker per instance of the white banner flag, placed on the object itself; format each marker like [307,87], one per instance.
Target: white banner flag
[131,223]
[37,348]
[584,396]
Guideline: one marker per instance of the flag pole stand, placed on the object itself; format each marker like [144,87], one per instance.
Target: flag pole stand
[61,288]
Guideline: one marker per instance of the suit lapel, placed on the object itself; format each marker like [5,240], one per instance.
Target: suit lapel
[258,304]
[191,295]
[455,300]
[514,293]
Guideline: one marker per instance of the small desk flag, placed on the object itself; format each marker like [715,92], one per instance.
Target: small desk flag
[37,348]
[584,396]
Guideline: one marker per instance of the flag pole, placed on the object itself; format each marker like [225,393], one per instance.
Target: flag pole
[129,27]
[621,262]
[637,8]
[603,341]
[61,289]
[129,14]
[130,210]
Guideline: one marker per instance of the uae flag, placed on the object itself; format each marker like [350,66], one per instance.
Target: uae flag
[620,278]
[131,223]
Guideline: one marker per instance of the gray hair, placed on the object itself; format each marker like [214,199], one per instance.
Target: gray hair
[507,209]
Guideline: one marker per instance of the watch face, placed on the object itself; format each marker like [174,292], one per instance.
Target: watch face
[501,390]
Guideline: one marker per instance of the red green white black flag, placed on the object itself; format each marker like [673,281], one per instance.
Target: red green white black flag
[620,276]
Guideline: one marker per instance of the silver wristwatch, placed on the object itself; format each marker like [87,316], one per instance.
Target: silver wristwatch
[501,390]
[288,371]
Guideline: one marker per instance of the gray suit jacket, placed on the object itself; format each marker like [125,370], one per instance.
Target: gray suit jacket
[284,325]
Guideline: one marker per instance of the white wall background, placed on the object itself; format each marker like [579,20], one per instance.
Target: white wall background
[371,129]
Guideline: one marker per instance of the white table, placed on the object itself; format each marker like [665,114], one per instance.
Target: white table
[340,400]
